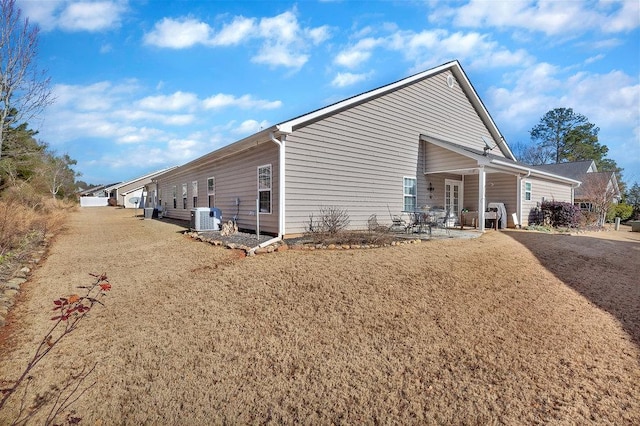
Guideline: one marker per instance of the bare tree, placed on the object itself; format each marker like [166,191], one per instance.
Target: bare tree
[24,89]
[600,192]
[57,174]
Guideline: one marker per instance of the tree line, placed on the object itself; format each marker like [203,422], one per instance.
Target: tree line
[28,168]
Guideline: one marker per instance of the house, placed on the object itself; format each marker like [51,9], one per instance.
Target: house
[595,185]
[96,191]
[598,189]
[130,194]
[423,141]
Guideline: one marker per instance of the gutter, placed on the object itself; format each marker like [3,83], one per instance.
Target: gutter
[281,195]
[537,172]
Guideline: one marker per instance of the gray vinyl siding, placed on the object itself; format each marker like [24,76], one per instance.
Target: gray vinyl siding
[357,158]
[503,188]
[471,193]
[438,158]
[542,190]
[236,177]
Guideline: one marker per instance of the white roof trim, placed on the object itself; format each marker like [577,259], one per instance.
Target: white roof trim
[502,164]
[534,172]
[453,66]
[289,126]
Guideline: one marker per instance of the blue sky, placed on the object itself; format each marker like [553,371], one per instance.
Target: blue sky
[143,85]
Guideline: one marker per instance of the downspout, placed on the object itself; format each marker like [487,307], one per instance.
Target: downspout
[281,189]
[520,216]
[573,192]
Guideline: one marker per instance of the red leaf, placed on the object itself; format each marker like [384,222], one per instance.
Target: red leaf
[56,318]
[57,302]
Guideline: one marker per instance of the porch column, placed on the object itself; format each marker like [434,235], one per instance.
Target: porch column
[482,202]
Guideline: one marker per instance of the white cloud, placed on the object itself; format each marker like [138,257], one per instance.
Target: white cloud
[97,96]
[282,41]
[359,53]
[174,102]
[624,19]
[318,35]
[178,33]
[550,17]
[222,100]
[352,58]
[344,79]
[593,59]
[89,16]
[283,28]
[541,88]
[280,55]
[135,135]
[431,47]
[239,30]
[248,127]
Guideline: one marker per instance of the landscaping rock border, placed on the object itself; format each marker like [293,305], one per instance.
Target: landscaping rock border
[18,275]
[239,243]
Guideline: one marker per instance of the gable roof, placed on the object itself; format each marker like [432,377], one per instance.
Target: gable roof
[573,170]
[497,162]
[602,180]
[147,176]
[454,67]
[289,126]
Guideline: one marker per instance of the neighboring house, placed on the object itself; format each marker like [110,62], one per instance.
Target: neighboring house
[595,187]
[426,140]
[130,194]
[598,190]
[96,191]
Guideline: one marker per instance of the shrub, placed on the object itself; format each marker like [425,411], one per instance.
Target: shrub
[621,210]
[330,221]
[560,214]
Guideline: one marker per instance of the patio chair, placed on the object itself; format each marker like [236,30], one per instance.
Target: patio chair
[440,221]
[398,223]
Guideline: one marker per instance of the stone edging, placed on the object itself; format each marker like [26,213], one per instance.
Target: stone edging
[280,246]
[10,289]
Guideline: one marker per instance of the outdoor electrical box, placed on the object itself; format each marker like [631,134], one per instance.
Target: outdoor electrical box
[206,219]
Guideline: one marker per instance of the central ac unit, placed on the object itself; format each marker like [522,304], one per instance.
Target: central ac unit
[206,219]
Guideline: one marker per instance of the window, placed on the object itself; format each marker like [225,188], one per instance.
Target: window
[194,192]
[184,195]
[527,191]
[175,195]
[264,188]
[211,191]
[409,189]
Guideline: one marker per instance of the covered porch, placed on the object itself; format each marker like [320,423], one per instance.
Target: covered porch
[475,188]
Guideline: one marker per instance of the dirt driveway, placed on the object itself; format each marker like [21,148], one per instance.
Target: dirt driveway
[512,327]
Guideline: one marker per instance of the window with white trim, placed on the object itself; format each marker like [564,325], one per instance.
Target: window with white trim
[409,189]
[194,193]
[264,188]
[211,191]
[527,191]
[184,195]
[175,195]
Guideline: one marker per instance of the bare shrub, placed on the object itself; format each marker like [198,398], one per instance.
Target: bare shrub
[329,221]
[24,225]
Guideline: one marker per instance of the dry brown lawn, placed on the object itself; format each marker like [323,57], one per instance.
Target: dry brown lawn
[513,328]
